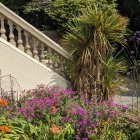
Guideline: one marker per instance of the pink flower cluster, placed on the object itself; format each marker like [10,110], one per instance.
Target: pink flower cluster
[84,115]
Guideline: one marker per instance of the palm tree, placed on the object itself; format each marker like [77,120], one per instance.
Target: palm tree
[89,39]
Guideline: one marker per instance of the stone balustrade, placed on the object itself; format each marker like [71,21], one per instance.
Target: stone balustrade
[31,41]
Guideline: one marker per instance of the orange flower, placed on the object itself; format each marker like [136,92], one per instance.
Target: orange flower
[3,102]
[54,110]
[106,111]
[55,130]
[109,120]
[5,129]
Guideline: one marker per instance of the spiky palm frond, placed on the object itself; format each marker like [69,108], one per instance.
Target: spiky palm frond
[88,39]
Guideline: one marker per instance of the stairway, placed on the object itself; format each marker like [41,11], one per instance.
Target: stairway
[23,42]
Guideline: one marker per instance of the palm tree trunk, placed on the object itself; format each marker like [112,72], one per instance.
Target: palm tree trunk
[97,78]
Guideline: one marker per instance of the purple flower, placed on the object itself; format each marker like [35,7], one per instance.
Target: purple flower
[83,115]
[77,137]
[123,107]
[99,114]
[87,131]
[84,138]
[93,126]
[81,111]
[113,104]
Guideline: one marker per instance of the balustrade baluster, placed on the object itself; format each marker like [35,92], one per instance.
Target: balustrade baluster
[11,35]
[42,56]
[2,30]
[27,45]
[62,66]
[56,65]
[20,41]
[50,51]
[35,51]
[47,58]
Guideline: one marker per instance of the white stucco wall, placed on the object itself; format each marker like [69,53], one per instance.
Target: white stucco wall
[28,72]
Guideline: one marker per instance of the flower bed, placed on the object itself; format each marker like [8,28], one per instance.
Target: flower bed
[54,113]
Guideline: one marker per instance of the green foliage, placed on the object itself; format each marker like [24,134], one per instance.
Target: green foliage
[111,133]
[59,13]
[136,135]
[24,130]
[129,129]
[17,133]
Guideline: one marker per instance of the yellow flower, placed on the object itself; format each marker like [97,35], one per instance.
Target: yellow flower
[104,123]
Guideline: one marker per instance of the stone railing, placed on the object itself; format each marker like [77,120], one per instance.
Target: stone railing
[28,39]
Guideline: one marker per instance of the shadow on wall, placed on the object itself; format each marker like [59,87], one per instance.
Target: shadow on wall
[9,86]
